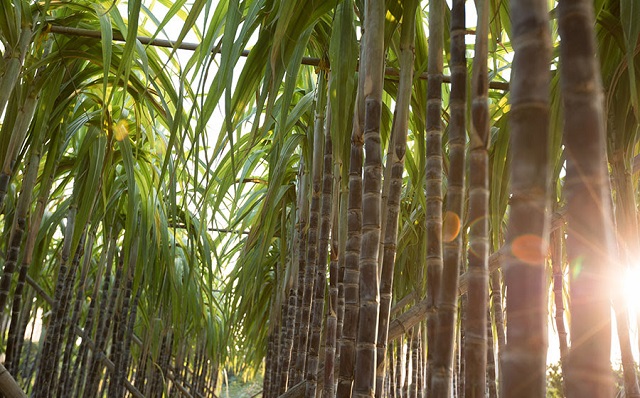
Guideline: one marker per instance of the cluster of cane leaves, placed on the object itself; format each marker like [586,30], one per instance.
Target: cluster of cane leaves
[111,121]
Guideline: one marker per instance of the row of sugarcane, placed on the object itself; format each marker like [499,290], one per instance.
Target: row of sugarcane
[92,296]
[71,156]
[353,238]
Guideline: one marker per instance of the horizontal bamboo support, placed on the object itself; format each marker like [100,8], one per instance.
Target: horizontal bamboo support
[406,300]
[311,61]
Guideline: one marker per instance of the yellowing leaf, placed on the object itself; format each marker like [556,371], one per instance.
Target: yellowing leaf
[121,130]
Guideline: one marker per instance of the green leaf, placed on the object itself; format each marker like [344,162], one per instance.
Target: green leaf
[629,12]
[106,32]
[343,58]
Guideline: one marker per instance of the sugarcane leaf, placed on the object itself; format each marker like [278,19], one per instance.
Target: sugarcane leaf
[629,11]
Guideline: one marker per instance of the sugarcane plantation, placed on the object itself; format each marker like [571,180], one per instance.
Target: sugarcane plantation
[319,198]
